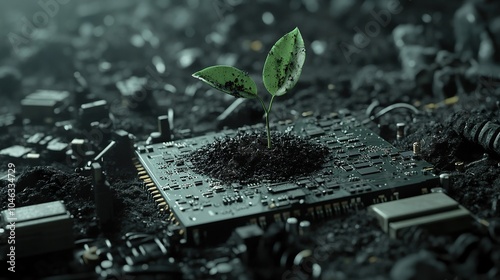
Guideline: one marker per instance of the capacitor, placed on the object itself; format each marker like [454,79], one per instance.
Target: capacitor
[400,131]
[444,180]
[304,228]
[291,225]
[416,148]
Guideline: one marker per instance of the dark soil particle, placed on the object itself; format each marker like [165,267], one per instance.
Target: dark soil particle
[246,158]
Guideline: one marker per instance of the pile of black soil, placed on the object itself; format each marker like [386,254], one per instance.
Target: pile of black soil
[246,158]
[42,184]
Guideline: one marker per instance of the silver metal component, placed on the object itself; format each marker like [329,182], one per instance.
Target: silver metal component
[101,154]
[400,131]
[416,148]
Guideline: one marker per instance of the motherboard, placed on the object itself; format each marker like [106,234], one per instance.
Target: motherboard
[362,169]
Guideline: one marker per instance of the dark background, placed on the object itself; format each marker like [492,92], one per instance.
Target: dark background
[445,65]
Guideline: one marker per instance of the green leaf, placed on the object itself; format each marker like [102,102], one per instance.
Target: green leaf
[284,63]
[229,80]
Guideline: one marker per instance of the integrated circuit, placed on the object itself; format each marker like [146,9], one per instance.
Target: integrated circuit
[363,169]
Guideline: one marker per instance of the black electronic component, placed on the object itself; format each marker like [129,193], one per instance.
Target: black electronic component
[202,205]
[164,132]
[250,236]
[102,195]
[435,211]
[96,111]
[45,106]
[78,146]
[164,128]
[57,149]
[38,229]
[124,146]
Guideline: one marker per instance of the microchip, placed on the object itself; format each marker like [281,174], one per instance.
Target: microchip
[282,187]
[368,170]
[297,194]
[315,132]
[348,181]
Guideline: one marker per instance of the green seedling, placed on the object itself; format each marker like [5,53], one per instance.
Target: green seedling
[281,72]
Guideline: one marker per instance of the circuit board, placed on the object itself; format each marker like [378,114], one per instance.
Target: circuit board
[362,169]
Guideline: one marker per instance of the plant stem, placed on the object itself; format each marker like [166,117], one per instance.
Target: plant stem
[267,122]
[268,131]
[271,104]
[266,114]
